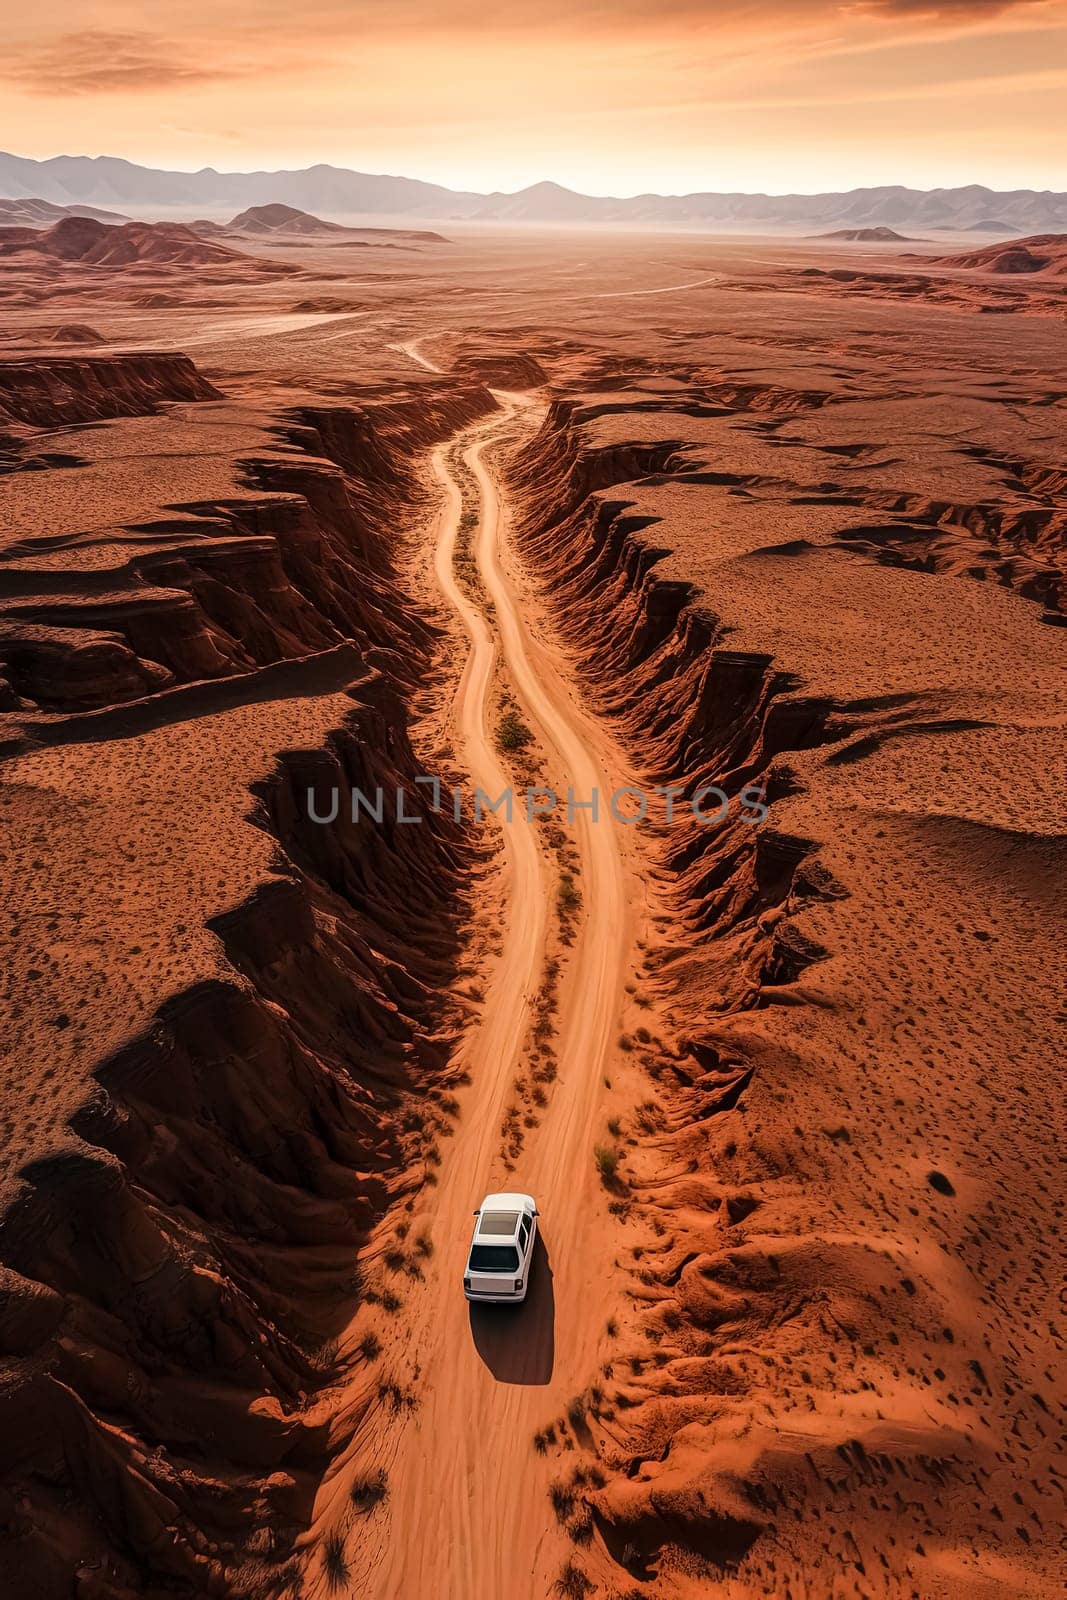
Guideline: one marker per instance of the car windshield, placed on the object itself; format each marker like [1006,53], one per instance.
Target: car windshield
[494,1258]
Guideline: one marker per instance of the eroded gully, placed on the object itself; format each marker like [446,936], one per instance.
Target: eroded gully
[467,1515]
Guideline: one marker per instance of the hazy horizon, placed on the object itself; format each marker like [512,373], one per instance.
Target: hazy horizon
[667,193]
[799,96]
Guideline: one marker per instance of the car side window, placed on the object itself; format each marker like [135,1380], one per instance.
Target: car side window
[524,1232]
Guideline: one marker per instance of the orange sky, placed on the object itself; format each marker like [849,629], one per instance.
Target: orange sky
[607,97]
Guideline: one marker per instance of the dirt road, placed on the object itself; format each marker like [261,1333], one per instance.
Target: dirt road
[467,1515]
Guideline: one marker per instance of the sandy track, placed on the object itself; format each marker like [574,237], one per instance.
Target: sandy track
[467,1517]
[410,348]
[667,288]
[230,330]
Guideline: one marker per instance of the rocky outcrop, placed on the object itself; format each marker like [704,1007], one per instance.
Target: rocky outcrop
[90,243]
[174,1272]
[58,391]
[299,565]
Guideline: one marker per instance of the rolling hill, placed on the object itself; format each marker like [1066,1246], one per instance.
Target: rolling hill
[277,218]
[1044,253]
[98,244]
[32,212]
[867,236]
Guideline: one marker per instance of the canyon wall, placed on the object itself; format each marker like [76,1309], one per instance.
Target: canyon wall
[836,1359]
[225,1058]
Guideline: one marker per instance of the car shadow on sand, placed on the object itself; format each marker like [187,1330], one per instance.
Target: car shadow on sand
[518,1343]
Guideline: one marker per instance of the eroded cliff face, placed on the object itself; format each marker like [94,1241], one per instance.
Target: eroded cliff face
[176,1271]
[225,1064]
[294,562]
[824,1367]
[58,390]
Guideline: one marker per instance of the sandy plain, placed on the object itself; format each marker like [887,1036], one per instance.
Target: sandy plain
[584,511]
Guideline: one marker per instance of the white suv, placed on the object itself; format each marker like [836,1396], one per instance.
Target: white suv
[501,1252]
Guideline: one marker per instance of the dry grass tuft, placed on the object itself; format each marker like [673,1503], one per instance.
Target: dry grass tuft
[369,1490]
[572,1583]
[335,1560]
[607,1162]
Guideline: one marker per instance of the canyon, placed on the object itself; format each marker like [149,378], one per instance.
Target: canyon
[560,514]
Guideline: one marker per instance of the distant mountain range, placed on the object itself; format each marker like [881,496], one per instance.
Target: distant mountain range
[111,182]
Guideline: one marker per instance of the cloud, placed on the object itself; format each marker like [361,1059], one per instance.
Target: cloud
[227,40]
[98,62]
[945,10]
[367,19]
[227,135]
[593,15]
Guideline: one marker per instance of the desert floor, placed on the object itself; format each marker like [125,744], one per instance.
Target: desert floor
[574,512]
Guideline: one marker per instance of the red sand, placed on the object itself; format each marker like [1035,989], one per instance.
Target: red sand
[793,1332]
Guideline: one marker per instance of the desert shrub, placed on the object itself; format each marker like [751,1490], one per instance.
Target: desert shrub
[335,1560]
[512,734]
[396,1397]
[369,1490]
[607,1162]
[649,1117]
[580,1527]
[572,1583]
[568,894]
[562,1498]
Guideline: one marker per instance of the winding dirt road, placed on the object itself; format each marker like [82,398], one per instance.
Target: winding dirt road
[467,1515]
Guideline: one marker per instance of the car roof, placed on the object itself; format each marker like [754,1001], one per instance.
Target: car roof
[508,1202]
